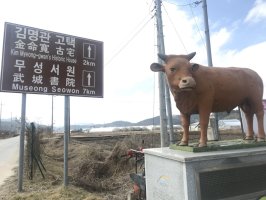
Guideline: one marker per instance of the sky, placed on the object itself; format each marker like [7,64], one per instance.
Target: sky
[127,29]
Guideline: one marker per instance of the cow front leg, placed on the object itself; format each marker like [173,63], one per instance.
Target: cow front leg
[204,121]
[185,120]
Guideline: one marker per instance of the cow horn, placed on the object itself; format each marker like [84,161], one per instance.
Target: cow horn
[191,55]
[162,56]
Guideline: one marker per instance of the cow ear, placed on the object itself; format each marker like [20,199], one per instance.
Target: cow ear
[194,67]
[156,67]
[191,55]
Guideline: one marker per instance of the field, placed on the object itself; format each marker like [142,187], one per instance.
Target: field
[97,168]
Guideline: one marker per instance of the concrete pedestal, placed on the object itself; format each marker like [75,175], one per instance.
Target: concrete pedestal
[230,174]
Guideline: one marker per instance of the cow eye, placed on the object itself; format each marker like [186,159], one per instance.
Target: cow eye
[172,69]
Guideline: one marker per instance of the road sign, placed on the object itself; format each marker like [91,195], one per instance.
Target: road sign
[44,62]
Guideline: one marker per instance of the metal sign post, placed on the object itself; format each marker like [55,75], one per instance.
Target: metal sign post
[38,61]
[66,138]
[21,143]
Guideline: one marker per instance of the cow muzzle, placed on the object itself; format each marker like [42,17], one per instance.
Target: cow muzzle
[187,83]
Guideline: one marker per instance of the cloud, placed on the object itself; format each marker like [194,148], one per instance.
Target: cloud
[220,38]
[250,57]
[257,13]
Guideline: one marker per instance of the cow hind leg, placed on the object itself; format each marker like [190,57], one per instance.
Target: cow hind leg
[249,119]
[256,107]
[249,113]
[260,120]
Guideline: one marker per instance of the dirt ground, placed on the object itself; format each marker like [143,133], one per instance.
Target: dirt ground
[97,169]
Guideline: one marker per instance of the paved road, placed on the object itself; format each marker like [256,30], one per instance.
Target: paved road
[9,154]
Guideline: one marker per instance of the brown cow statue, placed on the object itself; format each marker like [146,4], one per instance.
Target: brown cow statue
[201,90]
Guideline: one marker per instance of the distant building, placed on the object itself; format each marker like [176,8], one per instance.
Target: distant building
[229,124]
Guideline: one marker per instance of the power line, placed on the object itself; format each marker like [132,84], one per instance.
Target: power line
[191,5]
[194,18]
[195,4]
[178,35]
[131,38]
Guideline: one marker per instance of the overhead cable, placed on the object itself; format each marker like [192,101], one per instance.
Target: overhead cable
[194,18]
[178,35]
[131,38]
[194,3]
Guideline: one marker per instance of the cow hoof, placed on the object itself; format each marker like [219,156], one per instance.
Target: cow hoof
[183,143]
[248,138]
[202,145]
[260,139]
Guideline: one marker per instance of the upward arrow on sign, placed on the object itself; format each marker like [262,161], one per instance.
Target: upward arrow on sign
[89,79]
[89,51]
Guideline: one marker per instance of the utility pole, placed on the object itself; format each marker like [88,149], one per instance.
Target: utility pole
[215,132]
[163,87]
[11,121]
[169,113]
[1,106]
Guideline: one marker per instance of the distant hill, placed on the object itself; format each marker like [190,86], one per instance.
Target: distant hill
[118,124]
[155,121]
[150,121]
[146,122]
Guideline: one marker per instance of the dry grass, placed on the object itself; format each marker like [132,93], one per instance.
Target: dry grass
[96,172]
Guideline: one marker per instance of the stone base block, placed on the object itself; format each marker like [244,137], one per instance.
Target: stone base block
[228,174]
